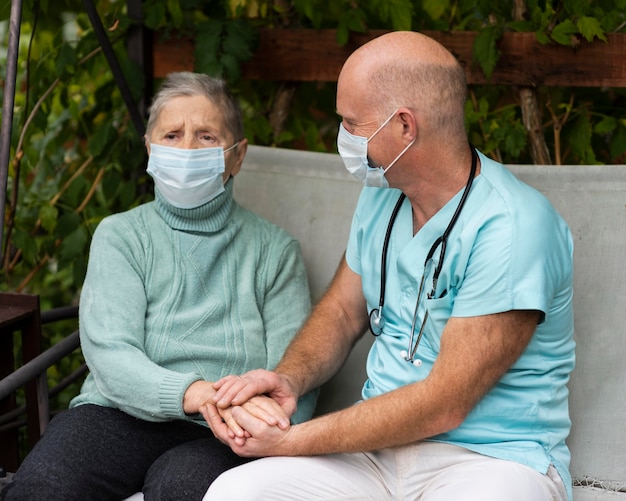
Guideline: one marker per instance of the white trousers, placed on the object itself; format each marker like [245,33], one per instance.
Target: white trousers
[426,471]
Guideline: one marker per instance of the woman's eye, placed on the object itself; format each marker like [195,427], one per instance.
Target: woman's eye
[207,138]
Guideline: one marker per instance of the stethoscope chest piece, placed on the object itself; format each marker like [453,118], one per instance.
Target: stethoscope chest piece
[377,322]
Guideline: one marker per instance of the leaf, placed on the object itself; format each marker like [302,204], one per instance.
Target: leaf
[617,146]
[343,33]
[173,6]
[222,46]
[127,194]
[73,246]
[541,17]
[579,138]
[208,35]
[576,7]
[5,11]
[239,40]
[154,14]
[67,223]
[542,37]
[79,267]
[401,12]
[208,48]
[309,10]
[520,26]
[27,244]
[353,20]
[435,8]
[562,32]
[485,50]
[230,67]
[515,140]
[48,215]
[590,27]
[40,120]
[101,138]
[606,125]
[66,61]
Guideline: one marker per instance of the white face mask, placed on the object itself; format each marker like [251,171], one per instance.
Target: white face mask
[353,151]
[187,178]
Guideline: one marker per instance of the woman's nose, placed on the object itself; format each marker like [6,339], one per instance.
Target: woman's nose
[190,143]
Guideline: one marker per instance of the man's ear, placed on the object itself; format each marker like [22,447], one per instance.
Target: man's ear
[409,123]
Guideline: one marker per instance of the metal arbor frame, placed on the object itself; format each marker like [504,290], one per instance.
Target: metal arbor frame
[32,373]
[139,47]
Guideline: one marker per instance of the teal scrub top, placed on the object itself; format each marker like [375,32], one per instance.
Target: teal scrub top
[509,250]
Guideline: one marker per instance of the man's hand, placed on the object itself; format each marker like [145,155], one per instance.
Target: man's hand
[236,390]
[261,439]
[227,428]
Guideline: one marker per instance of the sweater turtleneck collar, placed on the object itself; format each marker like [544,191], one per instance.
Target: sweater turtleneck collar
[208,218]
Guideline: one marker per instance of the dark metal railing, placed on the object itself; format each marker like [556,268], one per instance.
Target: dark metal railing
[36,369]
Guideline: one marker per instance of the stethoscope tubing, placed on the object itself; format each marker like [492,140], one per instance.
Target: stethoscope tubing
[376,319]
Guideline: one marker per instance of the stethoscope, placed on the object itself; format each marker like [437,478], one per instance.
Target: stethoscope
[377,321]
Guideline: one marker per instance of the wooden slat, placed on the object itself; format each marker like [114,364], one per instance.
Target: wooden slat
[314,55]
[171,55]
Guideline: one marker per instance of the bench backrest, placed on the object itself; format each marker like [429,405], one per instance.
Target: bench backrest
[313,197]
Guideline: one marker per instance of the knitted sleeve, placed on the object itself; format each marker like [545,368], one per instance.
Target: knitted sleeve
[112,331]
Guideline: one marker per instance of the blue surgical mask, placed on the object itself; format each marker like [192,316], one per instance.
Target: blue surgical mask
[187,178]
[353,151]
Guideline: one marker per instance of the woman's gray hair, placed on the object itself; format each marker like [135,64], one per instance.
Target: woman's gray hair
[186,83]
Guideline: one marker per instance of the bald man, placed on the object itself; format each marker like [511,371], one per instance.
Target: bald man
[466,393]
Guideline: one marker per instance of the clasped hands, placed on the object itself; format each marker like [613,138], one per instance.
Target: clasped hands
[250,413]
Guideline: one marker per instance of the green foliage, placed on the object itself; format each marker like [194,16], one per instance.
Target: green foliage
[485,48]
[496,129]
[78,159]
[221,47]
[70,130]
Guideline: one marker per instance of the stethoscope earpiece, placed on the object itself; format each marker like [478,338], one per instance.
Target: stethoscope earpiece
[405,355]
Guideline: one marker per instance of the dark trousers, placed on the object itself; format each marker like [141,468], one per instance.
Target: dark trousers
[92,453]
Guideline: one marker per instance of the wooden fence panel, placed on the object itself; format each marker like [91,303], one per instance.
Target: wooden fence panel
[314,55]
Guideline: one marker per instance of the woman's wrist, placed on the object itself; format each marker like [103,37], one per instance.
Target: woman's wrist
[197,394]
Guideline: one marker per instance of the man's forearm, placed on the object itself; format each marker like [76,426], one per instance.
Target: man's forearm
[328,336]
[314,357]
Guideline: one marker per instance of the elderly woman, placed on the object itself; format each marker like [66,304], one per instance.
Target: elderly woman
[179,292]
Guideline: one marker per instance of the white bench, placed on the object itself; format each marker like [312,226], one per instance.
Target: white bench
[313,197]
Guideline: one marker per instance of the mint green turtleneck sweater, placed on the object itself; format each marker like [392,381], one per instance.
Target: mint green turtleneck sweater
[173,296]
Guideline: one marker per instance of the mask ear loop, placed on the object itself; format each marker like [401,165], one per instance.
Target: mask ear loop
[232,147]
[383,124]
[398,157]
[401,153]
